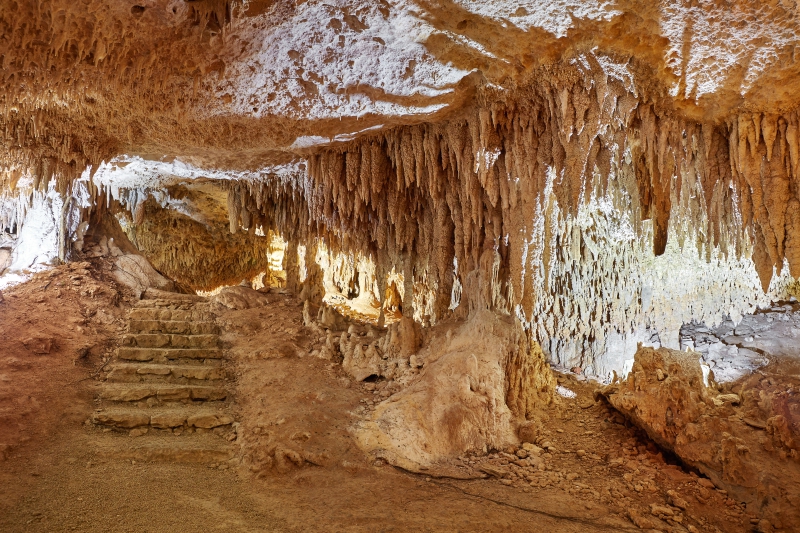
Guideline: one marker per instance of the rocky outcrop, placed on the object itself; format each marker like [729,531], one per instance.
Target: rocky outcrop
[188,239]
[135,272]
[464,399]
[745,439]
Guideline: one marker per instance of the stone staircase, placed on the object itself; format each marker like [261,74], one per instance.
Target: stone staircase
[165,396]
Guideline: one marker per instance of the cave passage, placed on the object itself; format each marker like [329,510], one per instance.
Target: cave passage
[407,265]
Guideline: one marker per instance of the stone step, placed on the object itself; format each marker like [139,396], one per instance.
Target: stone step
[157,313]
[137,373]
[172,304]
[172,327]
[158,355]
[199,449]
[124,392]
[162,418]
[155,294]
[165,340]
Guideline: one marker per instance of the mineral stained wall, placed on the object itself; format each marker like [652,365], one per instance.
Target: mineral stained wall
[615,168]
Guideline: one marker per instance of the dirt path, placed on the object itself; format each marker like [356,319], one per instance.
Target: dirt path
[59,490]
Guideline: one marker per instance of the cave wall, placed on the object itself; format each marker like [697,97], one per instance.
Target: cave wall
[201,257]
[40,227]
[614,169]
[601,217]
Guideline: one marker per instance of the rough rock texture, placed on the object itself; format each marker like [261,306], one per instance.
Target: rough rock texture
[502,183]
[135,272]
[563,187]
[39,228]
[391,356]
[736,350]
[465,399]
[237,298]
[254,77]
[573,151]
[745,440]
[188,239]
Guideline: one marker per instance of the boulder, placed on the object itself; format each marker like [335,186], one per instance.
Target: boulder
[238,298]
[136,273]
[718,434]
[456,404]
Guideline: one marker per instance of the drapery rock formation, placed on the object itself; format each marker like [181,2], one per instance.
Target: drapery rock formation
[479,381]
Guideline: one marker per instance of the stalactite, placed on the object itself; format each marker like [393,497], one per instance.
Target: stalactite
[516,189]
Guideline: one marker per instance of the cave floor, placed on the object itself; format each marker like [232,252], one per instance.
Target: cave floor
[599,473]
[57,491]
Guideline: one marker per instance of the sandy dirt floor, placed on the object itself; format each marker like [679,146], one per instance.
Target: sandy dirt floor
[297,467]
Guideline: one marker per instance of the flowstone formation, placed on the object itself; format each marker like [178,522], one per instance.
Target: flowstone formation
[479,383]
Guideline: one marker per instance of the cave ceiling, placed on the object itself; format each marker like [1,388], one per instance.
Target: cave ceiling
[241,85]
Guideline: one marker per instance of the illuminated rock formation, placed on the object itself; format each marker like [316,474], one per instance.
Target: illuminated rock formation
[610,170]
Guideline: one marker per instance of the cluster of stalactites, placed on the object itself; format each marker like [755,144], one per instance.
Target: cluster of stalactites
[13,210]
[198,256]
[476,192]
[20,187]
[38,171]
[763,152]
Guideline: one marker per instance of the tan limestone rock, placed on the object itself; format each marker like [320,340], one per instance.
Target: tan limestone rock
[706,430]
[456,404]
